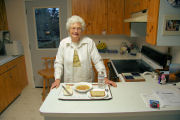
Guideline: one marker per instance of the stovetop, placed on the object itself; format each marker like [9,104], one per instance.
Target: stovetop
[131,66]
[149,61]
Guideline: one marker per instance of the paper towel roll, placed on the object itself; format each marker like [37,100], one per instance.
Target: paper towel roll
[14,48]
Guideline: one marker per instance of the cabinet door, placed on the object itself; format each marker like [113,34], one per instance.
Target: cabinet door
[13,82]
[152,22]
[3,91]
[21,72]
[143,5]
[13,79]
[8,87]
[94,14]
[115,16]
[3,16]
[127,14]
[137,5]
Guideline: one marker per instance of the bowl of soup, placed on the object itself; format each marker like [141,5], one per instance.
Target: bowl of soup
[83,87]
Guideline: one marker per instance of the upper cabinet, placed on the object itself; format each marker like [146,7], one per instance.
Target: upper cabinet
[115,17]
[137,5]
[130,7]
[152,21]
[157,11]
[152,6]
[3,16]
[101,16]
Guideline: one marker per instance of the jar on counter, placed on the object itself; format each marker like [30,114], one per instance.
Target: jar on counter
[123,48]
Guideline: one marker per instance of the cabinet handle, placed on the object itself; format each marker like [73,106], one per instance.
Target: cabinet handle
[151,29]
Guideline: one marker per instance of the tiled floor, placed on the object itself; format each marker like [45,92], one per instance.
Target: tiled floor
[25,107]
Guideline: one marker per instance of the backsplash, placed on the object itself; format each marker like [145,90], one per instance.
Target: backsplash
[115,41]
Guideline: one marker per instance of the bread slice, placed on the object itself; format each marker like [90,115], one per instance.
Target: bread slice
[97,93]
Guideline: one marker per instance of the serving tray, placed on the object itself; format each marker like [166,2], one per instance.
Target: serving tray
[83,96]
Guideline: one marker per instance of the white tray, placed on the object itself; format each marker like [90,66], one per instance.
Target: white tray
[84,96]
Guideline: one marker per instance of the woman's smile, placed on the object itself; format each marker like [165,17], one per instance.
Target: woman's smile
[75,32]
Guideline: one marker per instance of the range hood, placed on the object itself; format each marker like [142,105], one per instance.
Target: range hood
[138,17]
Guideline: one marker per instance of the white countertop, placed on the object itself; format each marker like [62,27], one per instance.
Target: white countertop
[126,101]
[118,56]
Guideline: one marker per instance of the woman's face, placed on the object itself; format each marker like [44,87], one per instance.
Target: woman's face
[75,31]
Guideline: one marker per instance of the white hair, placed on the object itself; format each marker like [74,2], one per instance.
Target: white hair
[74,19]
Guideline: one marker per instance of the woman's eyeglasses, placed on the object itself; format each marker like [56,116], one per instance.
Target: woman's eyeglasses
[76,28]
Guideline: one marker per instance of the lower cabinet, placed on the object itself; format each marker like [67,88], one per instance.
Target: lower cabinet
[13,79]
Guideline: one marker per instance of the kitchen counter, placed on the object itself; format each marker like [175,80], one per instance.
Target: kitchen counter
[5,59]
[119,56]
[126,104]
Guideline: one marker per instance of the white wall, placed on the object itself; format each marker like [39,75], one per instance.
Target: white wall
[18,30]
[17,24]
[176,54]
[167,10]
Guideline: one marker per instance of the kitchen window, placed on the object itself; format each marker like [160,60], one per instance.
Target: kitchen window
[47,27]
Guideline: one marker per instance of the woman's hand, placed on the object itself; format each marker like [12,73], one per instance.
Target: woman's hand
[55,84]
[110,82]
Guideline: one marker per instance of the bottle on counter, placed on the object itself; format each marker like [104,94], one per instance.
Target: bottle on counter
[163,79]
[101,81]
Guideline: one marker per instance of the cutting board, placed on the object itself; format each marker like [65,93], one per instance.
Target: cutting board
[133,77]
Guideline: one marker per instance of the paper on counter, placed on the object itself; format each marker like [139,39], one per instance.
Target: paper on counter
[147,97]
[168,97]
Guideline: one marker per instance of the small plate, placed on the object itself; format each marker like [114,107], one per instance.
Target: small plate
[82,85]
[89,94]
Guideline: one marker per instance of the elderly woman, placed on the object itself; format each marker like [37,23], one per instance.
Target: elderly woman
[73,59]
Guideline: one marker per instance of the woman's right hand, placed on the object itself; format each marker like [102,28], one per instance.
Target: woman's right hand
[55,84]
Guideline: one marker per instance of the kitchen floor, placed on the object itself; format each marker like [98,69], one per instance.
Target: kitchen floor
[25,107]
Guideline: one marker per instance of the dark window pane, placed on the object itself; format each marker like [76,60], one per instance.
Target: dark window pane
[47,27]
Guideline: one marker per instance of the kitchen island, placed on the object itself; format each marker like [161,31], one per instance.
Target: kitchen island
[126,104]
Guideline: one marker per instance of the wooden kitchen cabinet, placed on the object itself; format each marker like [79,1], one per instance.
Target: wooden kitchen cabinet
[137,5]
[4,101]
[130,7]
[134,6]
[152,21]
[101,16]
[22,77]
[115,17]
[13,79]
[3,16]
[127,14]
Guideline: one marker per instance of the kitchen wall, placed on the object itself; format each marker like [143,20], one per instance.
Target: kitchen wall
[18,27]
[167,10]
[18,30]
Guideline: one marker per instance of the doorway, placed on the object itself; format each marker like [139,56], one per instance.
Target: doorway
[46,27]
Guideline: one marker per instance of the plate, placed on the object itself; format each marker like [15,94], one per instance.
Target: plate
[89,94]
[83,87]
